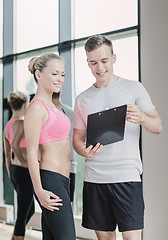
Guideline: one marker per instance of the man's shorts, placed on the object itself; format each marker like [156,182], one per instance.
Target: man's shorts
[106,206]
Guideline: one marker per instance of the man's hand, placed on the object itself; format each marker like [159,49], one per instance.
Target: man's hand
[79,136]
[150,120]
[134,114]
[91,151]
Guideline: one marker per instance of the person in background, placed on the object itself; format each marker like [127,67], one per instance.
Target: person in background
[17,167]
[48,149]
[112,194]
[56,98]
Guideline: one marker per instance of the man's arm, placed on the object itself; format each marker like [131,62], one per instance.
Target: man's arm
[79,136]
[150,120]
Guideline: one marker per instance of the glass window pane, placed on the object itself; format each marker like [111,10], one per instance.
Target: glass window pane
[83,77]
[97,16]
[24,80]
[126,64]
[36,24]
[1,27]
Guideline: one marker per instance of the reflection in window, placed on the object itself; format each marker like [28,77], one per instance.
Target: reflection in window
[97,16]
[36,24]
[1,27]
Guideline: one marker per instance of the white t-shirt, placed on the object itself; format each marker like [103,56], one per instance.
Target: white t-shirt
[120,161]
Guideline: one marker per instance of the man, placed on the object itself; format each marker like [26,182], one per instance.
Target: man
[112,194]
[56,98]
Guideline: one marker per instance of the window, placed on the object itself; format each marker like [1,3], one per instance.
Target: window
[36,24]
[1,27]
[126,65]
[83,77]
[97,16]
[24,79]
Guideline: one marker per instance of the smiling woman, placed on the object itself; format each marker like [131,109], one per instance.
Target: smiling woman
[47,138]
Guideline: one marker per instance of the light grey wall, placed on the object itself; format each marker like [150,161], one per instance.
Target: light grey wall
[154,62]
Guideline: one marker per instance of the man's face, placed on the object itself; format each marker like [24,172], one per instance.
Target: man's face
[101,63]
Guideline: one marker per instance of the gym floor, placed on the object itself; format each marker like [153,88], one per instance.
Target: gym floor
[7,230]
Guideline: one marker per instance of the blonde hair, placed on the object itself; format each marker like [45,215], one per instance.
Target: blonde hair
[39,63]
[16,100]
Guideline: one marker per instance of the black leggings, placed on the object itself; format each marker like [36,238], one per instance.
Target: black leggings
[57,225]
[72,186]
[25,202]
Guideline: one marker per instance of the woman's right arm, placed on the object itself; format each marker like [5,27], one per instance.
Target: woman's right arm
[34,120]
[8,154]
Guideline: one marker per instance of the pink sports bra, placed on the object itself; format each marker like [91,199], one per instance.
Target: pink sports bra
[22,143]
[56,128]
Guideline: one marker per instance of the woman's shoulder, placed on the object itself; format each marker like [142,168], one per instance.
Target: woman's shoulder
[35,112]
[36,106]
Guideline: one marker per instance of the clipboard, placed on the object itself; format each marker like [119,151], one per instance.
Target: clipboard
[107,126]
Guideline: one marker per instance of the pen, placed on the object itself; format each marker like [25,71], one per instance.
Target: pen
[136,107]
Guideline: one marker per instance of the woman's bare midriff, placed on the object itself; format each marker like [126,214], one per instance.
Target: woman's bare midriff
[16,161]
[56,157]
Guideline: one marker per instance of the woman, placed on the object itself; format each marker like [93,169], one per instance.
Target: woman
[48,149]
[17,167]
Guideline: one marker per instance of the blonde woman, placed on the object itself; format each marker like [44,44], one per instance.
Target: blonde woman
[17,167]
[47,135]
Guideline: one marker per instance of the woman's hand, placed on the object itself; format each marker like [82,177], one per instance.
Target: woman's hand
[49,200]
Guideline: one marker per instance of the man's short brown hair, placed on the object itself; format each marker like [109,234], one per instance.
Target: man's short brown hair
[96,41]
